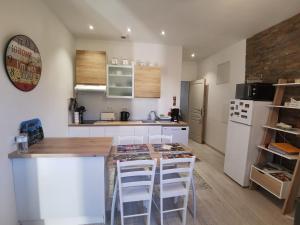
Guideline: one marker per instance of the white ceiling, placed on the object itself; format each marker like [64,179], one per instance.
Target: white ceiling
[200,26]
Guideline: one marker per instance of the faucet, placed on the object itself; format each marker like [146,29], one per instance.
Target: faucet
[152,115]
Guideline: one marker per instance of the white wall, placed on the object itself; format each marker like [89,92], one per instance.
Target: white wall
[189,71]
[168,57]
[219,95]
[48,101]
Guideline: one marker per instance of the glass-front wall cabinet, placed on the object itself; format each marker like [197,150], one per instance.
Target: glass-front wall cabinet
[120,81]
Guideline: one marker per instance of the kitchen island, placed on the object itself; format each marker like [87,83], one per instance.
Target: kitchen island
[62,181]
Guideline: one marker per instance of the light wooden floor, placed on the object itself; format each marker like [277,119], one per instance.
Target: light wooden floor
[224,202]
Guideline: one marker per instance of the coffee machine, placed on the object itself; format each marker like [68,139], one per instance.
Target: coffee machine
[175,115]
[81,110]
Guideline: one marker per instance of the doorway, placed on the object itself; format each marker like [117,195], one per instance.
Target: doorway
[196,110]
[184,100]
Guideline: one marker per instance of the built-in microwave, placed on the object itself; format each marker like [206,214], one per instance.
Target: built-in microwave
[255,91]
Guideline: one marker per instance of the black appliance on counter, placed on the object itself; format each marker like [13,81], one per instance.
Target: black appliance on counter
[255,91]
[175,115]
[124,116]
[81,110]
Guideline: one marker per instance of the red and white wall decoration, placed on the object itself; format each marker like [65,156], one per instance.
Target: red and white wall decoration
[23,63]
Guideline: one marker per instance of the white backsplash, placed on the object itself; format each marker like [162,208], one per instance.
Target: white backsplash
[97,102]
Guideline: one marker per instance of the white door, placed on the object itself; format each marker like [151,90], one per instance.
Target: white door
[196,111]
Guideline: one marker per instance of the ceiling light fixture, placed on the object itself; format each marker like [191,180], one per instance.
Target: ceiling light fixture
[128,30]
[163,33]
[193,55]
[91,27]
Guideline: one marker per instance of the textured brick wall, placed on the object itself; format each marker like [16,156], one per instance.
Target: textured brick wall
[275,52]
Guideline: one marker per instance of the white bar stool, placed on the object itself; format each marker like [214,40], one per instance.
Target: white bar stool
[134,183]
[129,140]
[175,179]
[160,139]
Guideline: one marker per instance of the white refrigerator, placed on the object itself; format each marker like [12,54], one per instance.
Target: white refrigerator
[244,134]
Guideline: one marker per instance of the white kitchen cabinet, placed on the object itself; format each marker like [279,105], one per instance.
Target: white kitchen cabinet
[116,131]
[154,130]
[120,81]
[97,131]
[142,131]
[126,131]
[179,134]
[111,132]
[79,131]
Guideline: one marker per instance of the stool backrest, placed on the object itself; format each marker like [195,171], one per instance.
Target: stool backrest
[128,140]
[136,173]
[160,139]
[174,171]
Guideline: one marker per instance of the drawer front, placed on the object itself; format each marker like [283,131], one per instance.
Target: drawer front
[266,181]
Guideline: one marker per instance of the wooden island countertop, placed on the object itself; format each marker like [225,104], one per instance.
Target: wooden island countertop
[68,147]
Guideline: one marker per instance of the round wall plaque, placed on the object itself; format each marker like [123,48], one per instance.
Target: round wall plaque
[23,63]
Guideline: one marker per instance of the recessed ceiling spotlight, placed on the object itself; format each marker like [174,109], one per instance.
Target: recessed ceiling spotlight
[91,27]
[128,30]
[163,33]
[193,55]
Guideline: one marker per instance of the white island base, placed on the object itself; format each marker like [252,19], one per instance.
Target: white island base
[60,191]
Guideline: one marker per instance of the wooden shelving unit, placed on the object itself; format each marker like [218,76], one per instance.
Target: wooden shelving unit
[282,190]
[283,107]
[293,131]
[287,84]
[290,157]
[270,183]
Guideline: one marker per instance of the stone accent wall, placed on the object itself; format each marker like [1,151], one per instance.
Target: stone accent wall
[275,52]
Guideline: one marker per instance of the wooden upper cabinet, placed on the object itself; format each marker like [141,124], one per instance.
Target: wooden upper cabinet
[147,82]
[90,67]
